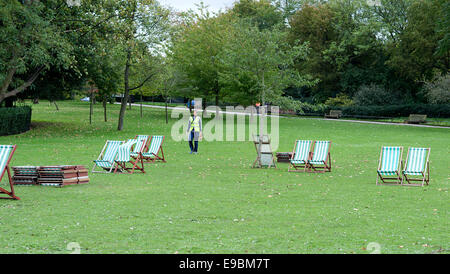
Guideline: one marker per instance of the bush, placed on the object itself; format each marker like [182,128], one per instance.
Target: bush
[432,111]
[15,120]
[438,91]
[373,95]
[341,100]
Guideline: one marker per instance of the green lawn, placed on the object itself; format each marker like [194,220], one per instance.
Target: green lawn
[214,202]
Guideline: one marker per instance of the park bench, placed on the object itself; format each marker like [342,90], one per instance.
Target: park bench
[334,114]
[416,119]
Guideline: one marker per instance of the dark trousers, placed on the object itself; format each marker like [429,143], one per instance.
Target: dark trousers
[193,144]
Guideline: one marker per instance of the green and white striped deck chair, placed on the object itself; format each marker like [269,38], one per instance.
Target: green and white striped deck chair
[106,158]
[6,154]
[320,158]
[141,145]
[417,164]
[390,164]
[154,148]
[124,157]
[300,156]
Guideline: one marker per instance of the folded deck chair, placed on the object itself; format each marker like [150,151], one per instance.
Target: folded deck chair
[390,165]
[106,158]
[417,164]
[266,157]
[300,156]
[154,148]
[6,153]
[124,157]
[320,158]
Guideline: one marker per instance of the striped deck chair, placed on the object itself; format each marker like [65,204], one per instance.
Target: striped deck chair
[106,158]
[154,148]
[6,154]
[300,156]
[390,164]
[320,158]
[417,164]
[141,145]
[124,157]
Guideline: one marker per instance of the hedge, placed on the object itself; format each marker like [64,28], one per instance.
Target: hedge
[432,111]
[15,120]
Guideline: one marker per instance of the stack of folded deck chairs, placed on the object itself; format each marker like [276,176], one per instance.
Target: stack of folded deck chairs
[62,175]
[50,175]
[284,157]
[25,175]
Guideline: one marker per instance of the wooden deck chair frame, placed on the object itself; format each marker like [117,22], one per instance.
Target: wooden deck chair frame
[154,156]
[133,161]
[100,157]
[391,180]
[324,165]
[11,194]
[258,162]
[305,165]
[425,173]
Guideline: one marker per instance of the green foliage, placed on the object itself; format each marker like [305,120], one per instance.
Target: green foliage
[438,91]
[341,100]
[262,62]
[15,120]
[373,95]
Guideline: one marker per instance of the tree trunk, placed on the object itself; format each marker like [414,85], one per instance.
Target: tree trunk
[91,108]
[126,94]
[141,106]
[167,114]
[104,108]
[261,117]
[57,108]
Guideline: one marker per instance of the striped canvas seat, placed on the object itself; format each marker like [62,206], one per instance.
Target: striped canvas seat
[124,151]
[6,153]
[124,156]
[321,160]
[108,155]
[320,152]
[142,142]
[300,156]
[301,152]
[415,163]
[390,160]
[154,148]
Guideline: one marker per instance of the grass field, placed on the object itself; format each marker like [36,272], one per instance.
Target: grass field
[214,202]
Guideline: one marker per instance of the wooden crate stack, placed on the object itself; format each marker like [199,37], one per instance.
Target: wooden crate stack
[62,175]
[25,175]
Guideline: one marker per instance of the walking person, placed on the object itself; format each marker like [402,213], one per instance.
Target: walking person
[194,131]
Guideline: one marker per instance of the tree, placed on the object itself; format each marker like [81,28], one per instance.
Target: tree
[142,22]
[195,50]
[265,57]
[37,36]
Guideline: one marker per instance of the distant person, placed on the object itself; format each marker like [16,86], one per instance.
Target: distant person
[258,105]
[194,132]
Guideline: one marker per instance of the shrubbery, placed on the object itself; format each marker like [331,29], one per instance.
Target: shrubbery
[432,111]
[341,100]
[438,91]
[373,95]
[15,120]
